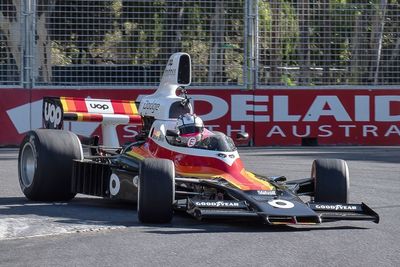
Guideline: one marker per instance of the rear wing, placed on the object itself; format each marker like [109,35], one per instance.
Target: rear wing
[109,113]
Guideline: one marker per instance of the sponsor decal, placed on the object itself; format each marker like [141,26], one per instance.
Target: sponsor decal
[266,192]
[97,106]
[321,106]
[281,204]
[336,207]
[152,107]
[52,115]
[115,184]
[169,72]
[217,204]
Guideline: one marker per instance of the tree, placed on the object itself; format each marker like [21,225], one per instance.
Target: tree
[275,53]
[304,46]
[377,31]
[10,27]
[216,63]
[172,28]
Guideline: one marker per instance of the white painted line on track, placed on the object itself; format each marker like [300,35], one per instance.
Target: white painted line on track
[22,228]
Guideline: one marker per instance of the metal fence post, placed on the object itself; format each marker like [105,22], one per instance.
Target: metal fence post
[28,42]
[32,43]
[24,24]
[251,36]
[256,43]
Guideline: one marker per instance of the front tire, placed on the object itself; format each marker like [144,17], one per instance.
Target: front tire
[331,180]
[156,191]
[45,164]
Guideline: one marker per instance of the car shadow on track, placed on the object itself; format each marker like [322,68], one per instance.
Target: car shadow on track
[104,212]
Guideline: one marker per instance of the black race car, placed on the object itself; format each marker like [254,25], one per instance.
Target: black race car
[206,179]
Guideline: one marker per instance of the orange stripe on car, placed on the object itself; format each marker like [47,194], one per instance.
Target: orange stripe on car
[127,108]
[71,105]
[250,176]
[208,172]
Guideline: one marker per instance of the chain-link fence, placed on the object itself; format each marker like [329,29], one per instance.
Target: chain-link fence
[329,42]
[129,42]
[11,39]
[248,43]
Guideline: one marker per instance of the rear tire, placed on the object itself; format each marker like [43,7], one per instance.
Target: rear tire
[156,191]
[331,180]
[45,164]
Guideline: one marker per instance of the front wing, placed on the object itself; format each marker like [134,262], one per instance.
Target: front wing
[314,213]
[283,208]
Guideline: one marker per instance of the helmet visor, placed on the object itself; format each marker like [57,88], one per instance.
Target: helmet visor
[190,129]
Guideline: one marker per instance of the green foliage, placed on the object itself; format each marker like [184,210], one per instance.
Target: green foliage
[341,36]
[128,32]
[330,42]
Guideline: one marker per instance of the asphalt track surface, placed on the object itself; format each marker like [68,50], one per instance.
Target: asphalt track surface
[95,232]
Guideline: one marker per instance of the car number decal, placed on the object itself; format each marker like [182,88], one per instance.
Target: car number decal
[114,184]
[281,203]
[191,142]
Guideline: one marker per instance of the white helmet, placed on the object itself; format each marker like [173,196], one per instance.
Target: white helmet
[190,128]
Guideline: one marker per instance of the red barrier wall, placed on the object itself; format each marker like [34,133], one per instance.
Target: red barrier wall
[357,117]
[271,117]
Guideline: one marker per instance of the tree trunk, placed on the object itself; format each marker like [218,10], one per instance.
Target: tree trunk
[355,66]
[395,51]
[216,71]
[172,35]
[10,26]
[42,67]
[376,40]
[304,49]
[275,52]
[326,43]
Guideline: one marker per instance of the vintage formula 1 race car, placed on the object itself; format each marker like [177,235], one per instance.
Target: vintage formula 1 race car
[205,178]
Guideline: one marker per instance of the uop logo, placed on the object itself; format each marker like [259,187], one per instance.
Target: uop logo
[99,106]
[103,106]
[52,114]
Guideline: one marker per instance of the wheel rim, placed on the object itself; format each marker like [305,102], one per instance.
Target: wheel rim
[28,165]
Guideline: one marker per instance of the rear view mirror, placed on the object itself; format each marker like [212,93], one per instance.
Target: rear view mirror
[184,70]
[242,136]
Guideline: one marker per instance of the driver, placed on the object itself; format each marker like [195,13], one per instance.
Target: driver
[190,130]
